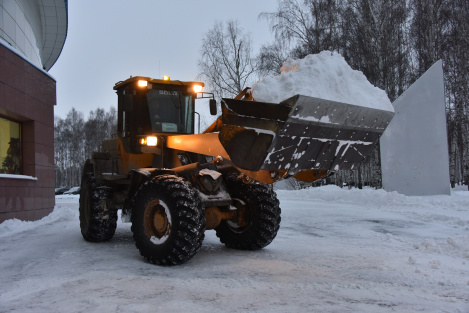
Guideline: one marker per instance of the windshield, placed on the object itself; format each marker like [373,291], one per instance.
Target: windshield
[170,111]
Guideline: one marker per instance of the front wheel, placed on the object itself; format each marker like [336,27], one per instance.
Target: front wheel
[168,222]
[261,216]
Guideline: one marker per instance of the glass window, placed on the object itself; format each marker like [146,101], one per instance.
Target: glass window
[10,147]
[170,111]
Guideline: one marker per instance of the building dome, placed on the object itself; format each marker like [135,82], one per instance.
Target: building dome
[35,28]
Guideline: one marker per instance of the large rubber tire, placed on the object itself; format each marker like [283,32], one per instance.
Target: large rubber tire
[97,222]
[262,214]
[168,222]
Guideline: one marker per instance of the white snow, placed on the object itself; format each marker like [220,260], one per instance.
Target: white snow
[337,250]
[8,45]
[325,75]
[262,131]
[165,237]
[16,176]
[214,174]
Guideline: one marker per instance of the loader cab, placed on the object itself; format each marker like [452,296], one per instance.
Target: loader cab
[158,107]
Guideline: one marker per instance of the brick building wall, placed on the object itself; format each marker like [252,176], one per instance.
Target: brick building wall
[28,96]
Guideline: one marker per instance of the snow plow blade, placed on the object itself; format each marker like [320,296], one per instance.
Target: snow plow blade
[300,133]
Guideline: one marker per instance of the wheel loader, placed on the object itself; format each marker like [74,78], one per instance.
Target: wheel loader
[173,184]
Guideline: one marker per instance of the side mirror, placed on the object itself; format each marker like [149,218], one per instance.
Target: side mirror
[213,107]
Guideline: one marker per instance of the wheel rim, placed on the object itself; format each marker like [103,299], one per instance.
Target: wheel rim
[240,206]
[157,221]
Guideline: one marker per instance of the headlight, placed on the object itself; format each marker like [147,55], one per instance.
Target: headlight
[166,78]
[142,83]
[197,88]
[151,141]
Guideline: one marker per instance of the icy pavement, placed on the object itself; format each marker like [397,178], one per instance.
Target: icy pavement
[337,250]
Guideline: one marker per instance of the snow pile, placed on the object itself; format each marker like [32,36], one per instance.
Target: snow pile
[60,214]
[325,75]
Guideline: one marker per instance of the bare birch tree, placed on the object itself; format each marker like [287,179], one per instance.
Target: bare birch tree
[227,64]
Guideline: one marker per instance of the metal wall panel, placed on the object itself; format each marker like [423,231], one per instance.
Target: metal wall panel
[414,147]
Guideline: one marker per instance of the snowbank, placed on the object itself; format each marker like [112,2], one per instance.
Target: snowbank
[325,75]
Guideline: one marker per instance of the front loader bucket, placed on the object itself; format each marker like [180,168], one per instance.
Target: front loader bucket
[300,133]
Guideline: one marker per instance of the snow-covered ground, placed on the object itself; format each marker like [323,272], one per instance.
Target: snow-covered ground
[337,250]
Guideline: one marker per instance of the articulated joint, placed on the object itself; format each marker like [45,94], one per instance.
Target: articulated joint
[214,216]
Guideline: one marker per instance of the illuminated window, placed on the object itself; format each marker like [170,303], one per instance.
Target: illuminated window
[10,147]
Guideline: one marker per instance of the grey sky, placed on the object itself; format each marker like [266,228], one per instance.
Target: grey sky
[109,40]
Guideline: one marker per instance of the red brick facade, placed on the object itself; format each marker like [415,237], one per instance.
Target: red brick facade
[28,96]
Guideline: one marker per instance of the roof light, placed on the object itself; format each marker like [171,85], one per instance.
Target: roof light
[142,83]
[197,88]
[166,78]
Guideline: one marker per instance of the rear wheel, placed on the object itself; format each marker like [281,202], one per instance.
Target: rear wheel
[261,216]
[168,223]
[97,222]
